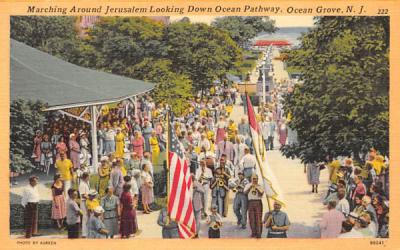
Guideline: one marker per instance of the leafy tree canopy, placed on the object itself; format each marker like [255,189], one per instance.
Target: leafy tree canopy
[35,31]
[342,107]
[26,118]
[201,52]
[244,28]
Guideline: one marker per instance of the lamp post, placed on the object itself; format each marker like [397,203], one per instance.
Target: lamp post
[263,82]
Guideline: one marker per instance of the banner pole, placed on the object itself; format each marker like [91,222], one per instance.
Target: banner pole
[257,156]
[167,161]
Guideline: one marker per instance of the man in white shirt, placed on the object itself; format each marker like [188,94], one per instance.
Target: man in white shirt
[204,142]
[265,130]
[248,164]
[254,193]
[342,204]
[240,147]
[204,176]
[84,189]
[30,202]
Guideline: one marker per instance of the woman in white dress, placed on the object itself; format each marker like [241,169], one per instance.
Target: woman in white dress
[147,189]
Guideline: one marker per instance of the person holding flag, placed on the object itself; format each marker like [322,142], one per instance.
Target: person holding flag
[260,184]
[179,186]
[254,193]
[169,228]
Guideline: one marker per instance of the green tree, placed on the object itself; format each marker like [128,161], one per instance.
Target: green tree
[125,41]
[202,52]
[25,118]
[35,31]
[75,51]
[172,88]
[342,107]
[244,28]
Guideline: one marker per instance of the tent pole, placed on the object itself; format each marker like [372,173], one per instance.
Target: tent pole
[136,107]
[93,116]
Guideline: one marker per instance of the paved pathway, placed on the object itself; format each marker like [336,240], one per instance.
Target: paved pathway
[304,208]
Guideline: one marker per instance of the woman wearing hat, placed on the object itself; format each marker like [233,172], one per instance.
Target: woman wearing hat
[84,143]
[221,129]
[36,148]
[147,130]
[283,132]
[155,148]
[104,175]
[119,144]
[110,203]
[232,130]
[128,213]
[147,189]
[58,208]
[47,153]
[96,227]
[137,142]
[116,178]
[61,147]
[313,173]
[92,202]
[75,151]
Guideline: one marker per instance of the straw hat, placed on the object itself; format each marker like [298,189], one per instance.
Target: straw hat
[92,192]
[99,210]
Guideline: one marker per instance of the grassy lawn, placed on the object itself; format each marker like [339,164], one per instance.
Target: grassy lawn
[247,64]
[293,69]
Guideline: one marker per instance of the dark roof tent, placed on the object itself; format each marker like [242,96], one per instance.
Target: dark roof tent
[36,75]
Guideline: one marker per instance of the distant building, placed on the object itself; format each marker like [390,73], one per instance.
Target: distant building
[163,19]
[83,23]
[263,44]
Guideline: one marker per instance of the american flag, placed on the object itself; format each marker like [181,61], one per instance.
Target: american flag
[180,206]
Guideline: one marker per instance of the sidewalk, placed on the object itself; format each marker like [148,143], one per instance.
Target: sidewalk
[303,207]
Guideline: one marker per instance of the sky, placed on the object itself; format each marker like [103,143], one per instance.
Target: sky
[280,21]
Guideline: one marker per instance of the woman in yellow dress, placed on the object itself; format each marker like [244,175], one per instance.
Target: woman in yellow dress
[123,167]
[155,113]
[203,112]
[232,128]
[229,109]
[155,148]
[119,144]
[212,91]
[92,202]
[104,175]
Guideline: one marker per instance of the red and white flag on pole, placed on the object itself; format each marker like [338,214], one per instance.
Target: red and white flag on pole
[180,206]
[268,179]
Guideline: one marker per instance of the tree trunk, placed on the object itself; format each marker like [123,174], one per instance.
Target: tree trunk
[357,158]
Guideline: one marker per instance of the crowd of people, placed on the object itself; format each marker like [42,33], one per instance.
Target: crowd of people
[132,140]
[357,199]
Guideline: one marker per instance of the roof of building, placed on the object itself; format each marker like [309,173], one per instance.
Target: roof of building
[36,75]
[272,43]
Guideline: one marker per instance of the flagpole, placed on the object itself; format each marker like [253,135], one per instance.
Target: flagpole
[167,161]
[262,175]
[257,156]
